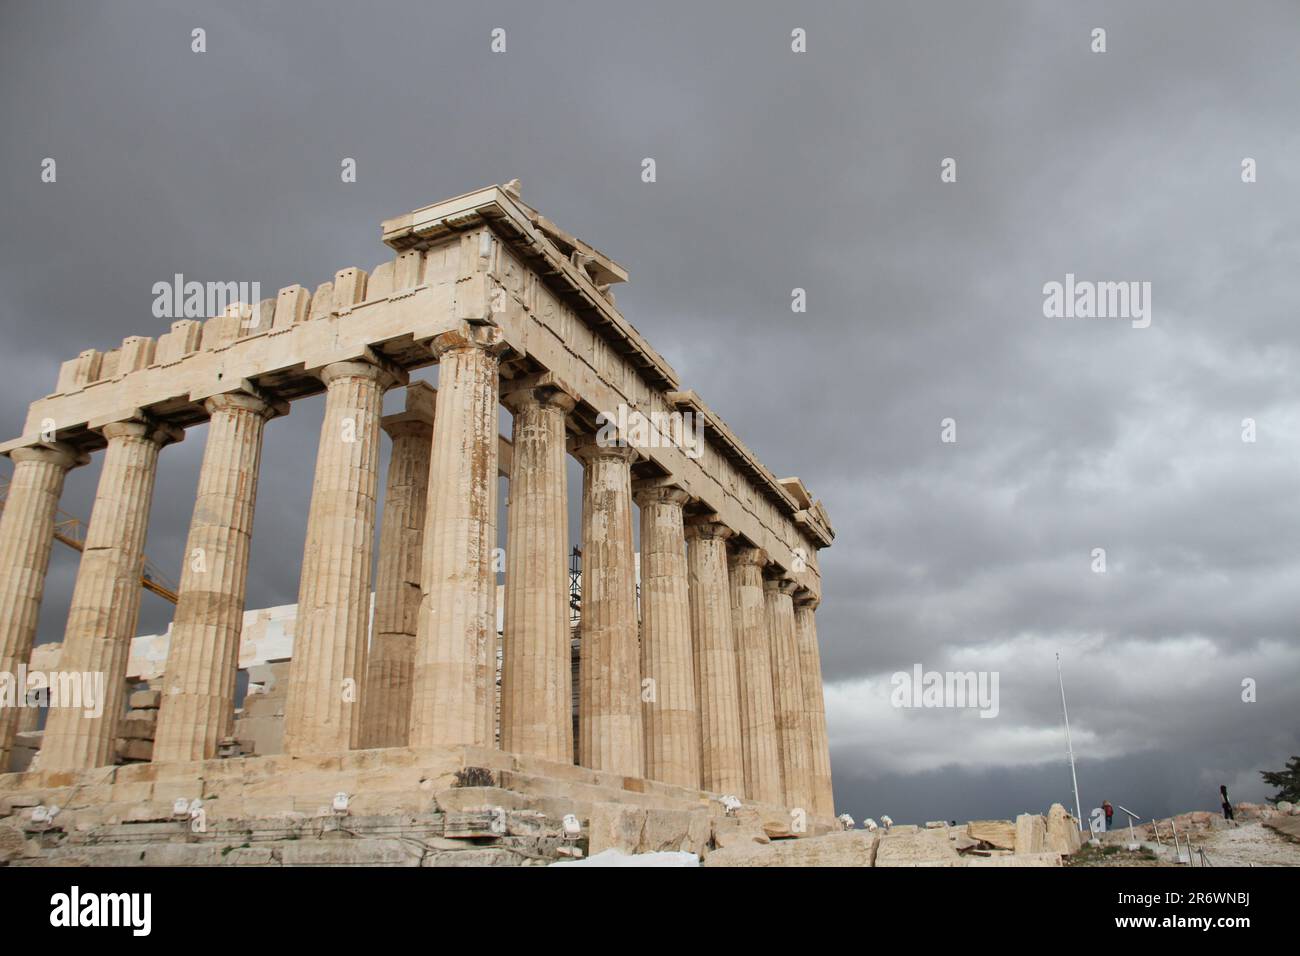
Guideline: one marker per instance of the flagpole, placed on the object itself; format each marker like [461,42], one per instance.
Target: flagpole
[1069,745]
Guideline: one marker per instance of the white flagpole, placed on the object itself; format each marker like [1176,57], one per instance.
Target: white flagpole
[1078,809]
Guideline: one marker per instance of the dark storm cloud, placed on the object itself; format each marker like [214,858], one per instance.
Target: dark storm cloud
[776,171]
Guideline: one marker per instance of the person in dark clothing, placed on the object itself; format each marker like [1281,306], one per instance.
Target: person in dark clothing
[1227,804]
[1107,809]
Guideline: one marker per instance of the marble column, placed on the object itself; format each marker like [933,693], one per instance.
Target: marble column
[669,715]
[453,695]
[106,597]
[386,699]
[810,671]
[536,673]
[26,537]
[722,765]
[609,668]
[787,693]
[755,668]
[198,700]
[323,713]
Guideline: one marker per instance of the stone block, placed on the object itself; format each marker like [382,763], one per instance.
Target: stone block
[1016,859]
[408,269]
[915,848]
[137,352]
[381,281]
[13,844]
[79,372]
[250,856]
[613,826]
[486,856]
[136,773]
[167,792]
[1031,834]
[725,837]
[472,824]
[136,729]
[996,833]
[527,823]
[349,287]
[852,848]
[221,330]
[269,806]
[672,830]
[18,801]
[322,301]
[145,700]
[349,853]
[129,749]
[108,365]
[293,305]
[462,799]
[185,337]
[488,757]
[1063,835]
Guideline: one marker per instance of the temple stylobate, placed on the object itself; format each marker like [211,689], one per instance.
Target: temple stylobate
[706,678]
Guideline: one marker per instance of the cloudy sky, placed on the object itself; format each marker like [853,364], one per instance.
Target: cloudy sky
[775,170]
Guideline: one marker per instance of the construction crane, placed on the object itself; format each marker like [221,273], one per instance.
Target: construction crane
[71,530]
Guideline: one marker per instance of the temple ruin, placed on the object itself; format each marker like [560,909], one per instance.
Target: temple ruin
[701,684]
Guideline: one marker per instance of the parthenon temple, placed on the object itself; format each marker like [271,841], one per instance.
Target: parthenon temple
[698,674]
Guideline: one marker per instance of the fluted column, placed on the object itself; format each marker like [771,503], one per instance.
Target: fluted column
[609,669]
[386,700]
[722,765]
[787,692]
[198,701]
[536,672]
[322,713]
[26,536]
[454,683]
[755,669]
[106,597]
[669,715]
[810,671]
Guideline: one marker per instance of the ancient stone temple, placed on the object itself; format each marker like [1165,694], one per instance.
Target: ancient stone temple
[703,682]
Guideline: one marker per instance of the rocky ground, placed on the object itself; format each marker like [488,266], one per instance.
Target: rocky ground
[1259,836]
[1251,844]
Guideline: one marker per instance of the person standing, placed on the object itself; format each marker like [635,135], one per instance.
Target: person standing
[1227,804]
[1107,809]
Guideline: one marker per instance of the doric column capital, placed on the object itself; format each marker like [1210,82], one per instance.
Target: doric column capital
[398,426]
[777,581]
[262,405]
[589,448]
[54,453]
[416,417]
[807,599]
[746,554]
[378,372]
[707,530]
[658,491]
[545,389]
[160,433]
[469,336]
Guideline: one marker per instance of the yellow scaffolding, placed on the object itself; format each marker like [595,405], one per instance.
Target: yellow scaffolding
[71,530]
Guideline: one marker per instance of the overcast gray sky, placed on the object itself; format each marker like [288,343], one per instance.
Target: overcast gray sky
[776,170]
